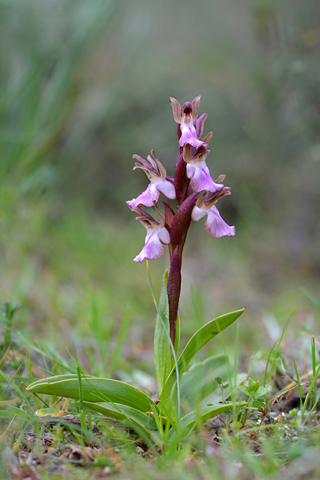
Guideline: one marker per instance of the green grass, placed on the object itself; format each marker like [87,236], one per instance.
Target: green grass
[262,446]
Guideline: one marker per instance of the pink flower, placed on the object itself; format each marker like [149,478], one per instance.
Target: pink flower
[159,183]
[197,169]
[214,224]
[186,117]
[157,235]
[188,135]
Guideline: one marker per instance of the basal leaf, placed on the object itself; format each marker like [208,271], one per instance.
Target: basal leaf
[193,418]
[199,382]
[94,389]
[206,333]
[162,349]
[129,416]
[121,412]
[196,342]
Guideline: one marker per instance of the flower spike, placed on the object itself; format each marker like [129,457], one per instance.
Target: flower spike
[159,182]
[195,192]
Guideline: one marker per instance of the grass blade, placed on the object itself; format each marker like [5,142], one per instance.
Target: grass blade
[162,351]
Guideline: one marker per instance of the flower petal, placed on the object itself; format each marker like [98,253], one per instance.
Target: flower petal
[164,235]
[195,107]
[167,188]
[150,195]
[216,226]
[200,177]
[198,214]
[153,247]
[189,135]
[200,124]
[176,109]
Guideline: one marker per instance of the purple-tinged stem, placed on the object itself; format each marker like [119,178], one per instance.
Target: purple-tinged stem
[174,289]
[179,229]
[181,181]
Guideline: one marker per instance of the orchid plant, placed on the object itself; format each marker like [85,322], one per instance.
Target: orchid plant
[186,395]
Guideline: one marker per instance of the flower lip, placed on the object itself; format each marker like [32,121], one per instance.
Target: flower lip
[197,169]
[154,245]
[205,207]
[215,226]
[189,136]
[157,235]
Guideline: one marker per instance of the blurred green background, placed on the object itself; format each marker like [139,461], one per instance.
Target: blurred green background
[84,85]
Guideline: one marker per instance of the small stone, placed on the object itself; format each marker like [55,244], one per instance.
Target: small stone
[106,471]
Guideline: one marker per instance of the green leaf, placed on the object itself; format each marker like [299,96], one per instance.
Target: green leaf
[123,412]
[253,385]
[258,403]
[219,380]
[199,416]
[260,392]
[196,342]
[253,389]
[244,389]
[162,349]
[130,417]
[201,380]
[94,389]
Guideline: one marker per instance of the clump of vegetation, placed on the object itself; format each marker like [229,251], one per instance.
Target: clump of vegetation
[201,409]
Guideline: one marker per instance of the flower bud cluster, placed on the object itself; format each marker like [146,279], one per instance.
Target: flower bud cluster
[192,187]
